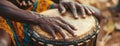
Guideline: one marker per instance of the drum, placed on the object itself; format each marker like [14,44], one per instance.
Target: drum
[86,34]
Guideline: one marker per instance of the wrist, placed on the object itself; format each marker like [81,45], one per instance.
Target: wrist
[38,18]
[34,20]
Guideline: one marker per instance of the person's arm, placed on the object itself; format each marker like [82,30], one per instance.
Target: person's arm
[48,24]
[7,9]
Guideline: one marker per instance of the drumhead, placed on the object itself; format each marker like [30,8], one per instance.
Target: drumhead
[86,28]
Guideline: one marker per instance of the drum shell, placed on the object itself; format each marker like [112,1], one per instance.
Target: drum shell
[89,40]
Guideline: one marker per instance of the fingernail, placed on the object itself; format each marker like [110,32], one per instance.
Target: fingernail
[89,14]
[76,17]
[84,16]
[65,38]
[29,3]
[24,3]
[63,12]
[74,35]
[55,38]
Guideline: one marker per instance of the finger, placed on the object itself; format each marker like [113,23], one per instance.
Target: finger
[24,3]
[57,28]
[49,30]
[32,1]
[66,27]
[91,10]
[29,3]
[71,26]
[73,10]
[62,9]
[18,1]
[87,10]
[82,10]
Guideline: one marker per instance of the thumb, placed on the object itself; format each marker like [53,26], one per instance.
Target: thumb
[61,9]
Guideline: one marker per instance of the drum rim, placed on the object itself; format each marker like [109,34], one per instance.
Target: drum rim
[37,39]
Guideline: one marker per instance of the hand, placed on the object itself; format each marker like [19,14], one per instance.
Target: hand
[25,3]
[74,7]
[55,24]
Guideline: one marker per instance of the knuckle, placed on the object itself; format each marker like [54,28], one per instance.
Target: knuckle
[66,25]
[73,8]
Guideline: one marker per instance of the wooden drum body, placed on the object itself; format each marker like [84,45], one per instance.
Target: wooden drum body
[86,34]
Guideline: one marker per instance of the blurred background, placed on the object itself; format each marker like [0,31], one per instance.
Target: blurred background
[109,34]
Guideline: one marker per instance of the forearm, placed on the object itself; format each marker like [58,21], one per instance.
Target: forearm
[10,11]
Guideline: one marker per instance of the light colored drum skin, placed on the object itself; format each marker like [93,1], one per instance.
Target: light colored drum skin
[86,32]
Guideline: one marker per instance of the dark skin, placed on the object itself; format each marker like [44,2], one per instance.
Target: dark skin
[22,4]
[63,5]
[75,8]
[49,24]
